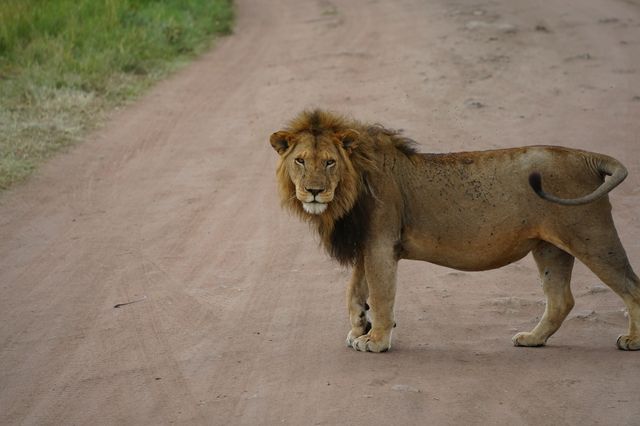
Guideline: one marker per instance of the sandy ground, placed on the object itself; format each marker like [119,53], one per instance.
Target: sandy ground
[239,316]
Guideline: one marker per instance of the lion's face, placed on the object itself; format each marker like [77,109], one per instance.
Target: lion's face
[315,166]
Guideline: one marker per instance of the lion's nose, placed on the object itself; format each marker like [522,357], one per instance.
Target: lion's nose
[314,192]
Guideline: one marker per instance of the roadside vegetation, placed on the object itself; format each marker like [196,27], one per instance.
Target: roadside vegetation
[64,63]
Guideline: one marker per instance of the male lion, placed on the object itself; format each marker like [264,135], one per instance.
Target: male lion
[375,200]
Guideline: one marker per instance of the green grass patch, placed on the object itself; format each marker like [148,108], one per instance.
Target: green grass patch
[64,63]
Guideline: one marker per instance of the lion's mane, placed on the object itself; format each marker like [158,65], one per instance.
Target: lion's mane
[344,227]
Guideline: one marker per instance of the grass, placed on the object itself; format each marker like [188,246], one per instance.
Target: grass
[64,63]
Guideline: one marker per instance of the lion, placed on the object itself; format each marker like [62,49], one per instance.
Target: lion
[374,200]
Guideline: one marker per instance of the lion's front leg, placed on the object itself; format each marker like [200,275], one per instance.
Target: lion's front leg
[357,294]
[380,268]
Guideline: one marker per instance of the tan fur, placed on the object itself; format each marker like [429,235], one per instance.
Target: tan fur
[379,202]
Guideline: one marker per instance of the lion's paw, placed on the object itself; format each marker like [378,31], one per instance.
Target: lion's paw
[628,343]
[367,343]
[527,339]
[357,332]
[351,337]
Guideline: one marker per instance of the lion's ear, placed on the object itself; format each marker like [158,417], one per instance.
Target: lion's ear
[280,141]
[349,139]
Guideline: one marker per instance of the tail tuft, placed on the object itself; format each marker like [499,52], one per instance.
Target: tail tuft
[535,180]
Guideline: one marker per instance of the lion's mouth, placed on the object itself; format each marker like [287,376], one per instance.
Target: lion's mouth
[314,207]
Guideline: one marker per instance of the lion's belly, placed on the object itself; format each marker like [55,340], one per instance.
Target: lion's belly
[466,225]
[468,252]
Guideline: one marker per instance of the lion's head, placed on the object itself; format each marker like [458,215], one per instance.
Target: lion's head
[319,173]
[325,163]
[315,169]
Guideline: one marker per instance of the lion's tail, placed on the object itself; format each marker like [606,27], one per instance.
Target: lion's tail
[603,164]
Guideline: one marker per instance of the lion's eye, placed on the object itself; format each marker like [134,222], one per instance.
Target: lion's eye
[330,163]
[300,161]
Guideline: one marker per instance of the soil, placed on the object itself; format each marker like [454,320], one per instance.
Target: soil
[149,276]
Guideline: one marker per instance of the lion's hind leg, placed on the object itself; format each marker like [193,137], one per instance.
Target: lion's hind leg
[610,263]
[357,294]
[631,297]
[555,268]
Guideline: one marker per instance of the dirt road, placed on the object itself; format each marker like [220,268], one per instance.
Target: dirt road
[238,316]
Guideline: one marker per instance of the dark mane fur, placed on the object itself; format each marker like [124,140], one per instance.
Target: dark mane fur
[403,144]
[317,122]
[350,232]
